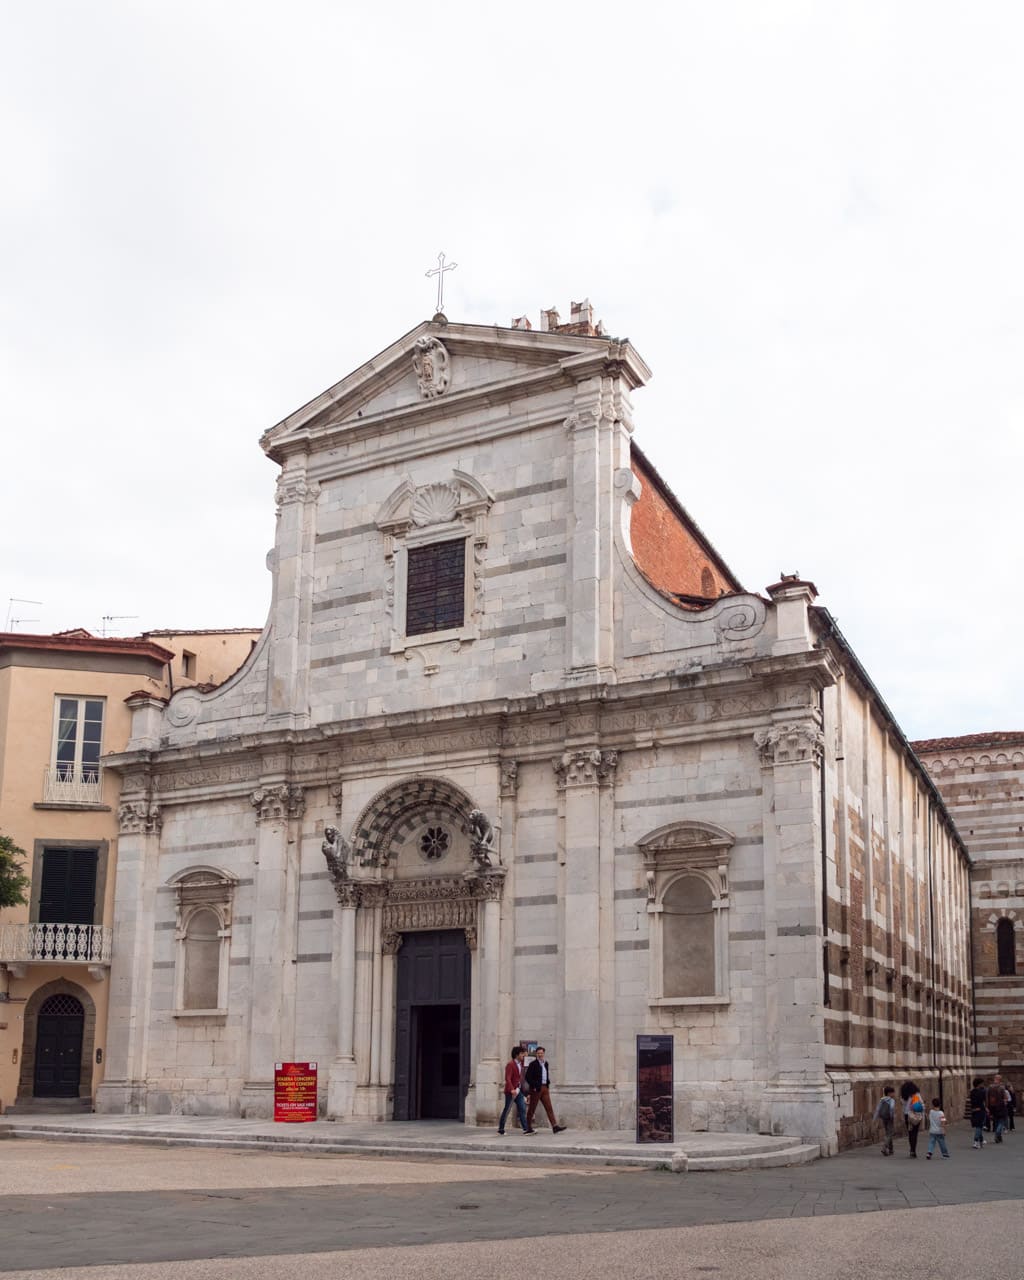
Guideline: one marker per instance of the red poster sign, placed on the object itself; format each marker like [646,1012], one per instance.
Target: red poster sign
[294,1091]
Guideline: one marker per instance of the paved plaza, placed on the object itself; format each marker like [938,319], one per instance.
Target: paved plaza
[194,1214]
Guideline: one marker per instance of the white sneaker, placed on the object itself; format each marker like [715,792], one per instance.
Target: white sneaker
[976,1146]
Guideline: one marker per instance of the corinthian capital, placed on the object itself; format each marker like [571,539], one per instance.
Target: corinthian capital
[792,743]
[585,768]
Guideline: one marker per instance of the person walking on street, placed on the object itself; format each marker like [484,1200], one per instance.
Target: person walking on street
[514,1090]
[885,1115]
[997,1106]
[913,1114]
[1011,1106]
[538,1077]
[977,1101]
[937,1130]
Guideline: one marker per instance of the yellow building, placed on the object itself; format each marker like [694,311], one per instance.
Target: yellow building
[62,708]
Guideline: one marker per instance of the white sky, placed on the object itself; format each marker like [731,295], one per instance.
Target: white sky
[808,217]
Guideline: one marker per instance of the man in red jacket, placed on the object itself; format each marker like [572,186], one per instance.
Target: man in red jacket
[514,1090]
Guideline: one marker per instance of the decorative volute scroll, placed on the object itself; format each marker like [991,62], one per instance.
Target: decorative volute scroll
[793,743]
[275,803]
[432,366]
[585,768]
[139,817]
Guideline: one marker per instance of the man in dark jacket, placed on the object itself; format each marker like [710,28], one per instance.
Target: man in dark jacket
[997,1106]
[538,1077]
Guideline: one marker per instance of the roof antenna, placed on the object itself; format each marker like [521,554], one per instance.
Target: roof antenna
[11,623]
[114,617]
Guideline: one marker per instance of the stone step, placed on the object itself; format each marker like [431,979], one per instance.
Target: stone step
[49,1106]
[483,1155]
[798,1154]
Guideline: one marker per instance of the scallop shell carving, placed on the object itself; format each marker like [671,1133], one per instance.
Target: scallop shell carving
[434,504]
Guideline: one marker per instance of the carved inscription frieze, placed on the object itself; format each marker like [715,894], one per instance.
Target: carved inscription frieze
[209,776]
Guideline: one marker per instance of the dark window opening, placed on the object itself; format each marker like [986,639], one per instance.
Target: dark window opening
[435,592]
[67,893]
[1005,947]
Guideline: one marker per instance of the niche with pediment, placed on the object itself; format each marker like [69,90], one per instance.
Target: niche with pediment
[686,865]
[202,941]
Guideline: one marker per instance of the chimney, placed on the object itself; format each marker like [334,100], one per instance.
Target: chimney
[549,321]
[521,322]
[581,312]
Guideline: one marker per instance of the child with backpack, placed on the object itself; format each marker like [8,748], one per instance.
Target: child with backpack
[885,1115]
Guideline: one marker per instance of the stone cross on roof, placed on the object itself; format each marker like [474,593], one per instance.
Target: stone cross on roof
[439,271]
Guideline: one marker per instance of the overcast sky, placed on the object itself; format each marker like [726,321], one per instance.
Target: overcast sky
[808,217]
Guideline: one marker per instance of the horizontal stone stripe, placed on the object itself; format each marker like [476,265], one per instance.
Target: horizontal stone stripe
[163,964]
[353,531]
[634,944]
[341,602]
[528,491]
[635,894]
[747,935]
[539,857]
[524,566]
[243,919]
[316,915]
[315,875]
[164,924]
[546,949]
[316,957]
[797,930]
[742,886]
[691,798]
[537,813]
[212,844]
[521,628]
[239,960]
[338,659]
[538,900]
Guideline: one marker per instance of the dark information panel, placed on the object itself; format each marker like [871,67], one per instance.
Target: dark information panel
[654,1115]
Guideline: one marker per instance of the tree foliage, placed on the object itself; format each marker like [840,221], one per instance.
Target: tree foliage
[13,881]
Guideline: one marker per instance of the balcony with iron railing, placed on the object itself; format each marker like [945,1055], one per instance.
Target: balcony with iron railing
[55,944]
[63,785]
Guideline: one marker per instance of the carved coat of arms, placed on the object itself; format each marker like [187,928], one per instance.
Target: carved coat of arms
[432,365]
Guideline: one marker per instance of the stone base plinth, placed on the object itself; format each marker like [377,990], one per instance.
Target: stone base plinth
[341,1088]
[806,1111]
[121,1098]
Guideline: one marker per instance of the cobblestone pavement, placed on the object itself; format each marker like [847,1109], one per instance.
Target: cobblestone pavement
[419,1204]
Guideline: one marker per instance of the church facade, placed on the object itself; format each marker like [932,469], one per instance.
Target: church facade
[517,758]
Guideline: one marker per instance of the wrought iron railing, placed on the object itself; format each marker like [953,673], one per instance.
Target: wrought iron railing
[39,943]
[70,786]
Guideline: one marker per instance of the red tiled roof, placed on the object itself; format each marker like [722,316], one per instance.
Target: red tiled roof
[1013,738]
[77,642]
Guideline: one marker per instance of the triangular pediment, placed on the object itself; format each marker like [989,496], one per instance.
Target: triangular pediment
[437,365]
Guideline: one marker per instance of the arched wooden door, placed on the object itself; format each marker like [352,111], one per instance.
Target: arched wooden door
[59,1031]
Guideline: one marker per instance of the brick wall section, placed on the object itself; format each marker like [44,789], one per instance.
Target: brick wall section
[981,778]
[669,550]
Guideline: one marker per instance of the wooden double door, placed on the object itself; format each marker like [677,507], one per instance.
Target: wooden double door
[59,1032]
[432,1026]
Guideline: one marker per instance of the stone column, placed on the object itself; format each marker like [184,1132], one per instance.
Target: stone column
[798,1096]
[341,1080]
[288,702]
[506,963]
[276,806]
[123,1090]
[489,1069]
[582,775]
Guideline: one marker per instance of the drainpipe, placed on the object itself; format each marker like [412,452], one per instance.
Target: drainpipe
[826,990]
[931,931]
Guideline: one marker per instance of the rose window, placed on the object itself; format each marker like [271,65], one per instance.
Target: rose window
[434,843]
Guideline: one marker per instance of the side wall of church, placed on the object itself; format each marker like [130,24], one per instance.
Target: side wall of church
[981,779]
[898,993]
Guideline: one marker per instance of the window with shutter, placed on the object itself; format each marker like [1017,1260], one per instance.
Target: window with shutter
[67,893]
[435,598]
